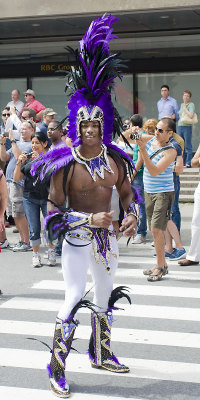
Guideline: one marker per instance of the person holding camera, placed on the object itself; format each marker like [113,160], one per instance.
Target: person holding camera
[15,189]
[35,196]
[158,155]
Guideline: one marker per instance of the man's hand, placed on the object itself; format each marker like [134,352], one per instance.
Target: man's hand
[11,136]
[129,225]
[12,110]
[102,219]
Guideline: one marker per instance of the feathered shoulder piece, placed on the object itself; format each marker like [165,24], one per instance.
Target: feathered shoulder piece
[51,162]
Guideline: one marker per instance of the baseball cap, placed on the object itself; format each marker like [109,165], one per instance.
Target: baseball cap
[49,111]
[30,91]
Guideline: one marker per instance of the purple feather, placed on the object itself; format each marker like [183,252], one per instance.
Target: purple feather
[53,160]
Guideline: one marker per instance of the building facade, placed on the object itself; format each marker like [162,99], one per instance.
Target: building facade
[160,43]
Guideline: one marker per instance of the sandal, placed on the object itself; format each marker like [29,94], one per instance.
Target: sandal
[150,272]
[157,277]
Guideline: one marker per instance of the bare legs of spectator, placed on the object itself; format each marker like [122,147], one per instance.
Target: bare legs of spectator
[22,226]
[159,243]
[155,274]
[170,234]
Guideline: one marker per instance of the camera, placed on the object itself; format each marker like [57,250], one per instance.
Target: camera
[5,134]
[29,155]
[126,126]
[136,135]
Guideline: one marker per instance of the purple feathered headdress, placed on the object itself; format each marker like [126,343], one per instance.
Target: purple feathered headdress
[92,81]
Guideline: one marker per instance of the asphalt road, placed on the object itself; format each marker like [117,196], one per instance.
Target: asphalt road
[157,336]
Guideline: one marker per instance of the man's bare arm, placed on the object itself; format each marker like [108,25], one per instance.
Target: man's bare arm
[195,162]
[56,194]
[154,170]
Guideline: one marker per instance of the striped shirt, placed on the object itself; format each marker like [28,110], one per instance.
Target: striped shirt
[162,182]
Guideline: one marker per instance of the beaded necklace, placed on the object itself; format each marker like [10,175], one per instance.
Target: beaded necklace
[95,165]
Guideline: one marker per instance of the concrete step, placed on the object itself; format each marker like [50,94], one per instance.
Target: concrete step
[189,184]
[186,198]
[189,178]
[187,190]
[190,171]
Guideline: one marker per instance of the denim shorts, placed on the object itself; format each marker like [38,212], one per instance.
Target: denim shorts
[158,209]
[15,205]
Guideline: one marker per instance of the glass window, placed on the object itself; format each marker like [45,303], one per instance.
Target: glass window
[50,92]
[123,96]
[149,85]
[6,87]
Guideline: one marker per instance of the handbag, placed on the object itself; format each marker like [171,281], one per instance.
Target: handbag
[187,120]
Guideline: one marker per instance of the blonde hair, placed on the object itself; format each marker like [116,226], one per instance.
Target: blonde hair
[150,123]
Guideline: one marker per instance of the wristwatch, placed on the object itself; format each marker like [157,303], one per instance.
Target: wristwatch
[13,141]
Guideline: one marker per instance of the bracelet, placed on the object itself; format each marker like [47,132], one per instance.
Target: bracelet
[90,218]
[13,141]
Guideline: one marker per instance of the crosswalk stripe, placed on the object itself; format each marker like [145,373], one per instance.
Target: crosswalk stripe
[139,336]
[138,273]
[144,290]
[10,393]
[140,368]
[135,310]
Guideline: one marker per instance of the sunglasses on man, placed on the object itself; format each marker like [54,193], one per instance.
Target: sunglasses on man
[4,115]
[162,130]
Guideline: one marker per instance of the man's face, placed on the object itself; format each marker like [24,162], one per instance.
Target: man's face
[90,132]
[15,95]
[48,118]
[165,133]
[28,98]
[25,115]
[164,93]
[26,131]
[52,133]
[5,115]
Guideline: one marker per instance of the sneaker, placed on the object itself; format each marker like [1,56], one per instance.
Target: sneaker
[22,246]
[177,255]
[51,257]
[167,255]
[138,239]
[16,246]
[4,245]
[36,260]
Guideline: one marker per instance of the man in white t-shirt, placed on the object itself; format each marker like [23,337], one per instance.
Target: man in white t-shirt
[16,102]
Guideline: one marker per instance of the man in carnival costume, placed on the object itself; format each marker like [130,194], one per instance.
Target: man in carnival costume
[85,175]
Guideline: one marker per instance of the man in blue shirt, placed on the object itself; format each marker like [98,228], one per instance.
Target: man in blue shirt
[167,106]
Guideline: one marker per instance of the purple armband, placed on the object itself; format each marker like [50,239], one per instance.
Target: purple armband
[131,210]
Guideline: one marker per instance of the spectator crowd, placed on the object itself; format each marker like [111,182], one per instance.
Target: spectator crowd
[159,148]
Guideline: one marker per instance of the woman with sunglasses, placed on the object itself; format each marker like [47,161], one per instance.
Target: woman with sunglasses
[34,196]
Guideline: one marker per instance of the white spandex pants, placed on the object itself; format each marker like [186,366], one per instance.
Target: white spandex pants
[75,264]
[194,250]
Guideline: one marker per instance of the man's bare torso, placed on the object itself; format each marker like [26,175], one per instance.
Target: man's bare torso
[85,194]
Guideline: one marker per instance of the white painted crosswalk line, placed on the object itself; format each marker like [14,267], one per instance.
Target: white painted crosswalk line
[10,393]
[138,273]
[144,290]
[136,336]
[139,368]
[135,310]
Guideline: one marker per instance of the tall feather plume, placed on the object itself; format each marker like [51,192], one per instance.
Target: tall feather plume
[91,82]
